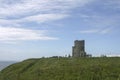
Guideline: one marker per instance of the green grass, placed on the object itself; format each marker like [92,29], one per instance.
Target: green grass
[64,69]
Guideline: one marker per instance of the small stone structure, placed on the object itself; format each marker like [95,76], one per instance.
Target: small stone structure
[78,50]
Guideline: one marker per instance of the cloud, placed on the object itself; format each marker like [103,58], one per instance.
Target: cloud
[17,13]
[105,31]
[14,13]
[112,4]
[38,11]
[89,31]
[6,22]
[114,55]
[17,34]
[98,31]
[30,7]
[40,18]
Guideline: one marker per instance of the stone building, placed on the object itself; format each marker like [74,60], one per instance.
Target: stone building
[78,50]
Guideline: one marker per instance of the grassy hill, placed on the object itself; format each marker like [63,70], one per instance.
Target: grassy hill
[64,69]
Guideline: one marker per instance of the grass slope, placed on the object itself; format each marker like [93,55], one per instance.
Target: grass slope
[64,69]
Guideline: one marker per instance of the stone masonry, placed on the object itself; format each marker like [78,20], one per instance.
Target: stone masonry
[78,50]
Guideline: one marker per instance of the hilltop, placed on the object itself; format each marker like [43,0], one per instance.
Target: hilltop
[64,69]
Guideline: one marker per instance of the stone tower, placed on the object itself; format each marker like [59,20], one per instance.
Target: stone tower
[78,50]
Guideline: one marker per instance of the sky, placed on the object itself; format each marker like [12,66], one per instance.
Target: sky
[45,28]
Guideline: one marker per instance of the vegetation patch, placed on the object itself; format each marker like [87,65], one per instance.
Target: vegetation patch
[101,68]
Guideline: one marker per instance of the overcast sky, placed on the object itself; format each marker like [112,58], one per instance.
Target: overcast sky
[37,28]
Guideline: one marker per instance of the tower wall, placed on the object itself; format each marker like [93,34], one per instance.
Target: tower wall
[78,50]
